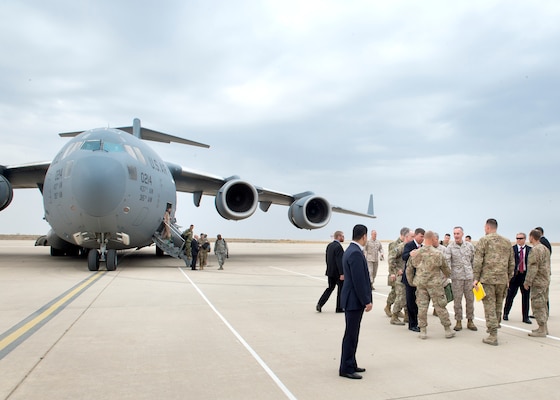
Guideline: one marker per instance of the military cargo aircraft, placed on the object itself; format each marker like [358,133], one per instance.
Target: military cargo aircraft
[106,190]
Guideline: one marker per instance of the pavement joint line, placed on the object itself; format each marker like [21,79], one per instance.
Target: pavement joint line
[259,360]
[17,334]
[385,295]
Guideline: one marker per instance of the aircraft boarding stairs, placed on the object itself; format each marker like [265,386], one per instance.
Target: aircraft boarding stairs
[175,246]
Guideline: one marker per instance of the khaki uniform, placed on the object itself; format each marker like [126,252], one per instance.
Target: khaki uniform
[372,249]
[538,278]
[494,264]
[460,258]
[430,263]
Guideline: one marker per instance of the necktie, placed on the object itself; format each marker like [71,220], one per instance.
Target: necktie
[521,261]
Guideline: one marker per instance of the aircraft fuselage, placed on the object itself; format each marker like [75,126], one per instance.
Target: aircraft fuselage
[107,185]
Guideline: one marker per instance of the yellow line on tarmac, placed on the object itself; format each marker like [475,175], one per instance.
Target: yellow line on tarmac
[46,313]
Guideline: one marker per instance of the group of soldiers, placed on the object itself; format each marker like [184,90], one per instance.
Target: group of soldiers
[420,267]
[197,249]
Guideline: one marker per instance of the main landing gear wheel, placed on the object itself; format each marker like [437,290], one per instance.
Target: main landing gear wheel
[93,260]
[159,252]
[111,259]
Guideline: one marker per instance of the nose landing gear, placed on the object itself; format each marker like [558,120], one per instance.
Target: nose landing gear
[103,254]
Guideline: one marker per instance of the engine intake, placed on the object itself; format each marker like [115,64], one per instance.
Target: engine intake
[237,200]
[6,192]
[310,212]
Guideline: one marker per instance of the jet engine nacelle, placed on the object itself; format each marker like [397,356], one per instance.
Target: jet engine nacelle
[310,212]
[6,192]
[237,200]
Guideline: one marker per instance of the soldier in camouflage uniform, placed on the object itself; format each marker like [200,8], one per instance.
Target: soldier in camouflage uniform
[538,280]
[493,266]
[396,268]
[430,264]
[188,236]
[392,277]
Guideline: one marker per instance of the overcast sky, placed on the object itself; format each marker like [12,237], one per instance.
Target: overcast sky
[448,112]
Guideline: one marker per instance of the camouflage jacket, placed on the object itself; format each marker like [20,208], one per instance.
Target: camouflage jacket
[395,257]
[460,258]
[494,261]
[429,263]
[538,267]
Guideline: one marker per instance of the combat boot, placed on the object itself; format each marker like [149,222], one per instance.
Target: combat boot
[423,334]
[541,332]
[471,325]
[458,326]
[435,312]
[492,339]
[395,320]
[449,333]
[387,310]
[405,317]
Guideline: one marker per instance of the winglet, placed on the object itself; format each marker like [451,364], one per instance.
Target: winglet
[370,206]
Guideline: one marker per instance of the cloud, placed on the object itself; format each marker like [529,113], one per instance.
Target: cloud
[444,105]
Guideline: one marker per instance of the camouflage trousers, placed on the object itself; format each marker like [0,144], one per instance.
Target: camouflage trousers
[202,259]
[437,295]
[392,294]
[463,288]
[539,297]
[493,305]
[400,295]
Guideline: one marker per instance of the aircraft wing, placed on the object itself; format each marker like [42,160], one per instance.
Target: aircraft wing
[303,206]
[26,176]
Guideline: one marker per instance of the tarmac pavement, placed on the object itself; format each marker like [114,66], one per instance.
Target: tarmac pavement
[153,329]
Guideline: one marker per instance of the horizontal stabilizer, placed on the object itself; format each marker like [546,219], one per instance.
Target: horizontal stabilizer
[148,134]
[155,136]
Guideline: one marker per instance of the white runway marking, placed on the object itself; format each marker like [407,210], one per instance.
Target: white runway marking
[384,295]
[276,380]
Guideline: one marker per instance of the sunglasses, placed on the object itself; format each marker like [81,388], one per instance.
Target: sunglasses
[520,238]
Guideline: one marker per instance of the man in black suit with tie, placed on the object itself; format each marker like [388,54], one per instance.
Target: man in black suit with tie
[521,253]
[355,298]
[411,306]
[335,274]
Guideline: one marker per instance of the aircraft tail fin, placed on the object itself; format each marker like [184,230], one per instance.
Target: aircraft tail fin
[370,206]
[147,134]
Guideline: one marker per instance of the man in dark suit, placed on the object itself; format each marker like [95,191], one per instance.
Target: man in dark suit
[521,253]
[411,306]
[194,251]
[335,273]
[355,298]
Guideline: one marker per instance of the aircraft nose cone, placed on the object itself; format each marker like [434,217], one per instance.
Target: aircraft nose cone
[98,184]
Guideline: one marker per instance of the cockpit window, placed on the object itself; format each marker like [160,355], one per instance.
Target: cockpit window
[96,145]
[91,145]
[112,147]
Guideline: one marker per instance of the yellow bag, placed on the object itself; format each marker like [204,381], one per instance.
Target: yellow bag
[478,291]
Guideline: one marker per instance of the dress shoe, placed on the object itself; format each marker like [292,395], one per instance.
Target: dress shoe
[414,329]
[505,317]
[359,369]
[340,310]
[351,375]
[527,321]
[318,308]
